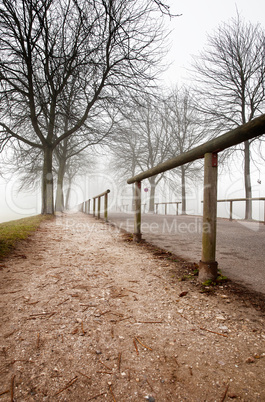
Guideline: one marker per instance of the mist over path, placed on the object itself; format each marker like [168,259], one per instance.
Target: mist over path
[240,244]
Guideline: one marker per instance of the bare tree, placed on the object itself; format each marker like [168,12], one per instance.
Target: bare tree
[102,48]
[231,74]
[186,130]
[143,141]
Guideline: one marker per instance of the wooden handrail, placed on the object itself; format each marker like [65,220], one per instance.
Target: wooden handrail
[252,129]
[208,151]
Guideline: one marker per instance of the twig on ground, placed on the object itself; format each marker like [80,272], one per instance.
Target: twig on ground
[129,290]
[12,388]
[225,393]
[96,396]
[82,326]
[9,334]
[4,392]
[213,332]
[135,346]
[84,375]
[125,318]
[119,362]
[64,301]
[71,382]
[112,394]
[109,368]
[138,340]
[38,340]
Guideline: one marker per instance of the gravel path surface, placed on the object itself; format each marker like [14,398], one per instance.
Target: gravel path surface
[240,245]
[88,315]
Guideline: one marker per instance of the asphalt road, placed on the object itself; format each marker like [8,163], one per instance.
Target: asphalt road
[240,245]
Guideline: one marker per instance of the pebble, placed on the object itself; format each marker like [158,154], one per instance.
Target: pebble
[250,360]
[223,328]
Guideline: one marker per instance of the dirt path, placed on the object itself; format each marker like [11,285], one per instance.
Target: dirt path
[87,316]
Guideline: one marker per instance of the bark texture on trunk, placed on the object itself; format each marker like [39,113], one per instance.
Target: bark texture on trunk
[59,203]
[47,183]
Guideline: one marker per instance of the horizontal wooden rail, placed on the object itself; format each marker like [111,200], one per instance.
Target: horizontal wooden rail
[231,200]
[167,203]
[208,151]
[254,128]
[101,195]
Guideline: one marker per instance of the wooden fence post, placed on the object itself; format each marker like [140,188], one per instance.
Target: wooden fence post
[208,265]
[231,211]
[106,207]
[88,206]
[137,236]
[94,207]
[98,207]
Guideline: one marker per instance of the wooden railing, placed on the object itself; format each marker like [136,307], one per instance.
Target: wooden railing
[209,151]
[85,206]
[231,200]
[98,197]
[166,204]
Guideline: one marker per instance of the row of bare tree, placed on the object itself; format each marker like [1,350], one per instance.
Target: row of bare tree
[152,130]
[228,90]
[75,74]
[66,62]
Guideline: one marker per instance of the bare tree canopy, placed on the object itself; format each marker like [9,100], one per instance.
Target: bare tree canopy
[99,48]
[186,131]
[231,76]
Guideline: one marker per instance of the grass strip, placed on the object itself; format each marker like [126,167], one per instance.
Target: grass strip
[14,231]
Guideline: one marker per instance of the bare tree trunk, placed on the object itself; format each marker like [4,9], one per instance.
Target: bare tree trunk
[248,212]
[67,197]
[152,193]
[183,190]
[47,183]
[59,203]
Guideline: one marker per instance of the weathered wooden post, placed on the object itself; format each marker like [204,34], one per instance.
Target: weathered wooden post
[208,265]
[165,208]
[106,206]
[231,210]
[94,207]
[88,206]
[156,208]
[98,207]
[137,236]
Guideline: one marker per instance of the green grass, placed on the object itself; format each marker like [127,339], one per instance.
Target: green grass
[14,231]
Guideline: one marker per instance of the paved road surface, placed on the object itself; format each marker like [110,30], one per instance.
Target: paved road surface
[240,245]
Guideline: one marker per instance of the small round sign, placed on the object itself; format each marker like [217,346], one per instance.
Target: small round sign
[146,189]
